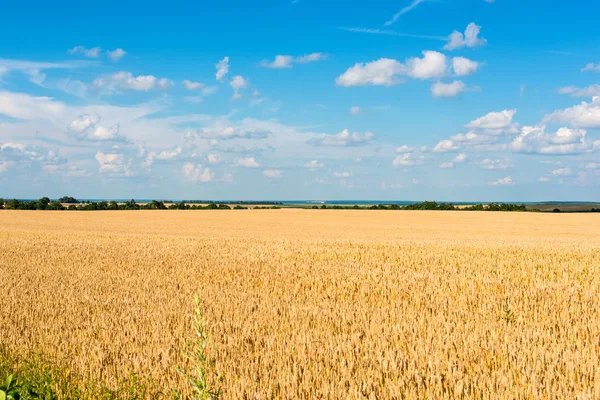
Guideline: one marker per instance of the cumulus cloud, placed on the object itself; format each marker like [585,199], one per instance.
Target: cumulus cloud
[591,67]
[112,163]
[447,89]
[126,81]
[470,38]
[495,164]
[387,72]
[5,165]
[222,69]
[249,162]
[543,179]
[189,85]
[284,61]
[214,158]
[86,127]
[461,158]
[345,174]
[534,139]
[445,146]
[116,54]
[503,181]
[495,123]
[196,173]
[91,53]
[592,166]
[408,159]
[584,115]
[344,138]
[562,172]
[230,132]
[166,155]
[573,91]
[314,164]
[238,83]
[273,173]
[463,66]
[355,110]
[405,149]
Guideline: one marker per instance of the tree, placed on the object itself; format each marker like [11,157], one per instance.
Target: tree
[68,200]
[42,203]
[1,203]
[113,205]
[55,205]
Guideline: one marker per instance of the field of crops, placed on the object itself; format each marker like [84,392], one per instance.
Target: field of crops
[307,303]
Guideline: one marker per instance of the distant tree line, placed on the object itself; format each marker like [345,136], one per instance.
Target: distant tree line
[73,204]
[70,203]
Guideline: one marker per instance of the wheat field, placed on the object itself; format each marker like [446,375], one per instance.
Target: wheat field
[309,303]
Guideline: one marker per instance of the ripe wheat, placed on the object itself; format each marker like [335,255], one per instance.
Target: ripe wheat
[309,304]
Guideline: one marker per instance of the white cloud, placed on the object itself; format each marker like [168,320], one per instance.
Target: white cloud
[592,166]
[445,146]
[273,173]
[214,159]
[591,67]
[83,122]
[472,138]
[495,164]
[33,69]
[314,164]
[447,90]
[189,85]
[344,138]
[230,132]
[355,110]
[238,83]
[126,81]
[111,163]
[116,54]
[495,122]
[195,173]
[543,179]
[222,69]
[463,66]
[24,106]
[584,115]
[5,165]
[280,62]
[322,181]
[249,162]
[462,157]
[562,172]
[284,61]
[86,127]
[166,155]
[405,149]
[534,139]
[471,38]
[307,58]
[386,71]
[345,174]
[381,72]
[406,9]
[432,65]
[408,159]
[503,182]
[91,53]
[590,91]
[522,90]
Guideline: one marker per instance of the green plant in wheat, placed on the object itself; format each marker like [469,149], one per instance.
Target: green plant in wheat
[8,389]
[203,368]
[507,313]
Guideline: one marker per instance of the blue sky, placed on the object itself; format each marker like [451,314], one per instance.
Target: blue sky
[455,100]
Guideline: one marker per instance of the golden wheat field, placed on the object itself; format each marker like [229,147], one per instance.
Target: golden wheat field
[310,303]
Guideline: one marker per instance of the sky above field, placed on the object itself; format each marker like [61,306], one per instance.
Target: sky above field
[455,100]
